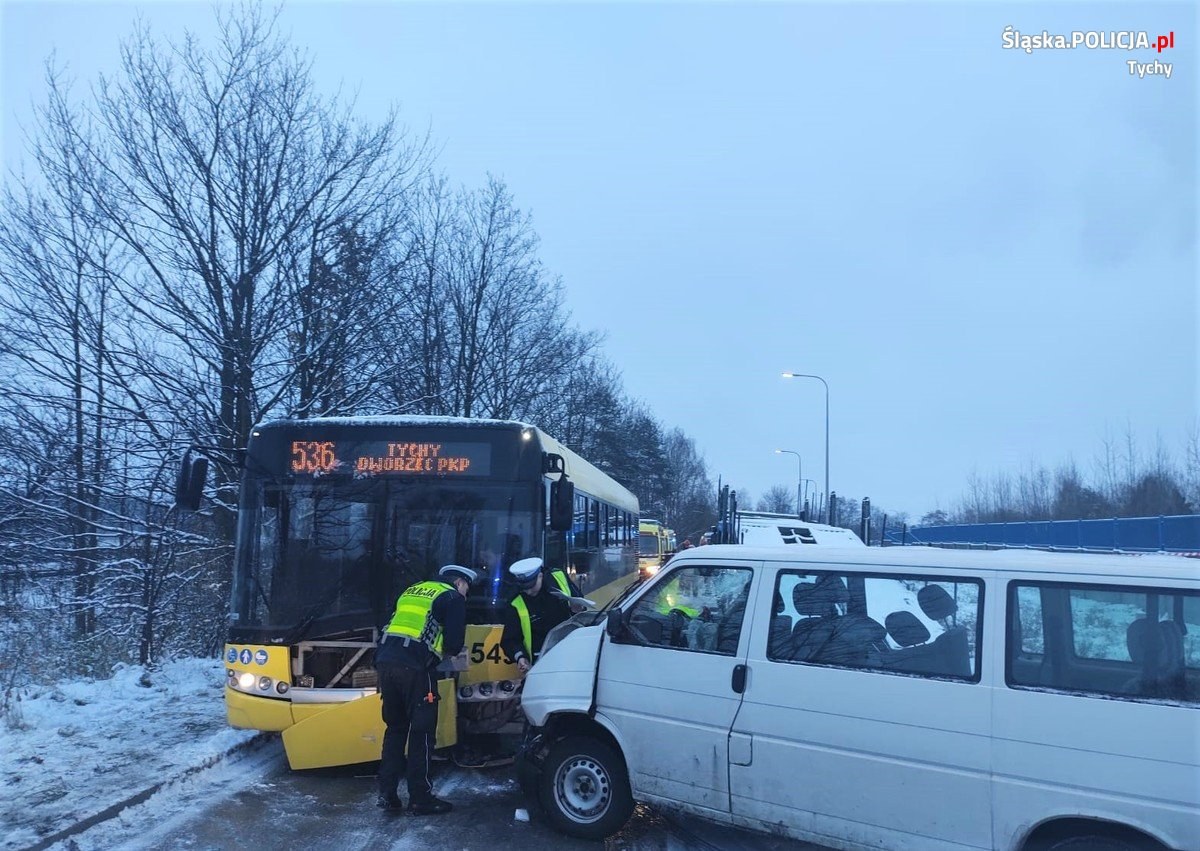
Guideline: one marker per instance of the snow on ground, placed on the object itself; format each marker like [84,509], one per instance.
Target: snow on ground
[71,750]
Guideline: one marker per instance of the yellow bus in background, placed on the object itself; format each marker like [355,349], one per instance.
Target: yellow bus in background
[653,546]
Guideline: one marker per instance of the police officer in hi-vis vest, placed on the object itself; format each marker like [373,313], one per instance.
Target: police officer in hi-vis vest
[540,606]
[429,624]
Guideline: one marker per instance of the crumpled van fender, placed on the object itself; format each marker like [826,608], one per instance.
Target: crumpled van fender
[560,725]
[564,680]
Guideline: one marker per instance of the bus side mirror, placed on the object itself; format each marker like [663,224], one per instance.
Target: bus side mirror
[189,486]
[615,625]
[562,504]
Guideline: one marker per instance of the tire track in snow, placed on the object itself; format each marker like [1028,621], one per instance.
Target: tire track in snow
[234,754]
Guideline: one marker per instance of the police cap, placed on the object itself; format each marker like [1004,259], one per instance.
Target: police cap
[457,571]
[525,572]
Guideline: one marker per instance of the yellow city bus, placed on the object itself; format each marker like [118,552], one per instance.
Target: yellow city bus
[653,546]
[338,515]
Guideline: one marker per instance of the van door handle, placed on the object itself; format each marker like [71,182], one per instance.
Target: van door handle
[739,678]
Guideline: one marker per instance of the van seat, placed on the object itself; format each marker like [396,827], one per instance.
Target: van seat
[936,602]
[1145,645]
[819,598]
[810,638]
[917,654]
[780,635]
[858,641]
[953,649]
[780,638]
[817,603]
[1157,648]
[1174,666]
[906,629]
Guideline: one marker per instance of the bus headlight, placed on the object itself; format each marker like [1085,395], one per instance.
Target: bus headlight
[232,675]
[246,681]
[465,692]
[508,686]
[264,683]
[282,687]
[485,689]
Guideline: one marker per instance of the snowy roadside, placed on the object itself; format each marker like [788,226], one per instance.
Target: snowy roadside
[72,750]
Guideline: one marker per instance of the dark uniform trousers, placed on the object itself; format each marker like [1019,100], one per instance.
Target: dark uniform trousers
[410,710]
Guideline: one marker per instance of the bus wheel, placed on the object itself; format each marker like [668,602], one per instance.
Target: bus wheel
[585,789]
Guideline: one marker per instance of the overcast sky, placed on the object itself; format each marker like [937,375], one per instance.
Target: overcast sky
[989,255]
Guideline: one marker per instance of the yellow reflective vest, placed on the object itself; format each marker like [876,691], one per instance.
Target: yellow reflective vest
[414,615]
[518,603]
[667,602]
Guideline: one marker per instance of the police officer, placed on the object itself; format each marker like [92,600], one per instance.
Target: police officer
[539,606]
[429,624]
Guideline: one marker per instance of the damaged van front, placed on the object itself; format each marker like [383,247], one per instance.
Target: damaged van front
[586,793]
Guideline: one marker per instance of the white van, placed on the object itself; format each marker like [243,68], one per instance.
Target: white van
[894,698]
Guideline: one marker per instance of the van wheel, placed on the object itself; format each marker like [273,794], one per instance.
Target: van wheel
[585,789]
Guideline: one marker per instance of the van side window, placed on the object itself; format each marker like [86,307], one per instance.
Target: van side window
[921,625]
[1133,643]
[1029,622]
[694,608]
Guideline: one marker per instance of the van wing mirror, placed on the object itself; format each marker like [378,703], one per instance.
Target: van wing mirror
[189,485]
[615,626]
[562,504]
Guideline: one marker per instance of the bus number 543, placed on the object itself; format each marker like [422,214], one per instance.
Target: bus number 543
[494,654]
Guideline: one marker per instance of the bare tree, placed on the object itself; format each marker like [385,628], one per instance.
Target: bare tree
[688,497]
[419,370]
[1074,500]
[779,499]
[577,410]
[216,168]
[509,334]
[56,265]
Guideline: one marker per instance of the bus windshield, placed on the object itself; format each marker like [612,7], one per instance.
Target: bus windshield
[324,558]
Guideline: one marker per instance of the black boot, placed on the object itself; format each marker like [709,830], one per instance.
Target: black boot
[389,803]
[430,807]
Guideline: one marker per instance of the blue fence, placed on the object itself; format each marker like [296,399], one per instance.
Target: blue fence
[1179,533]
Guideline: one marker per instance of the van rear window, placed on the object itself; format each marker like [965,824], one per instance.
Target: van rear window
[1125,642]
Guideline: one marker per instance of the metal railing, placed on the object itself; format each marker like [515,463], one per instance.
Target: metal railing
[1172,534]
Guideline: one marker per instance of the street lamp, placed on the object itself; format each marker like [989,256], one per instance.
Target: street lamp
[799,479]
[822,380]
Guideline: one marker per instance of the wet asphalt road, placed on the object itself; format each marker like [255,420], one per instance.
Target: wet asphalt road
[335,809]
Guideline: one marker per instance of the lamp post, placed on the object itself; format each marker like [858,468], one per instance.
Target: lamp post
[799,479]
[823,381]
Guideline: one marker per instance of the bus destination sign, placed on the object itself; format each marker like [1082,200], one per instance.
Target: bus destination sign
[392,458]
